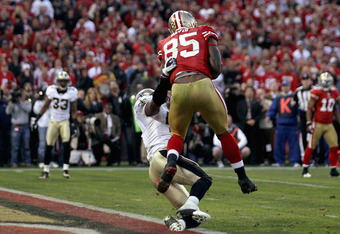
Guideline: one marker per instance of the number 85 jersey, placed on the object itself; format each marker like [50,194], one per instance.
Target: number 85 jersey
[61,102]
[190,48]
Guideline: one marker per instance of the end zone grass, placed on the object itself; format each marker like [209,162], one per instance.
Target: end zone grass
[284,202]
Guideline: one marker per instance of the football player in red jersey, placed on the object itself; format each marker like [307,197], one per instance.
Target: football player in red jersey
[198,62]
[323,103]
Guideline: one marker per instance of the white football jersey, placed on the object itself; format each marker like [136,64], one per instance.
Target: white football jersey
[155,131]
[61,102]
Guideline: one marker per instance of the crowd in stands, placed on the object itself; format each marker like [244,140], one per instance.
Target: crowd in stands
[108,47]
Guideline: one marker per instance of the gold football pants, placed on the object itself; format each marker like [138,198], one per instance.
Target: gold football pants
[327,131]
[197,96]
[56,127]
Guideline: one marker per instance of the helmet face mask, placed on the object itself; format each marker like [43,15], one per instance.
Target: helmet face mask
[63,80]
[326,80]
[180,19]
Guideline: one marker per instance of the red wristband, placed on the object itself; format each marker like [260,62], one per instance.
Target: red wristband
[212,44]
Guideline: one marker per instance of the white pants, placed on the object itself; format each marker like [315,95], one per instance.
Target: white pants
[85,155]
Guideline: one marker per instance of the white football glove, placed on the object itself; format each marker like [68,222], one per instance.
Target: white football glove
[169,66]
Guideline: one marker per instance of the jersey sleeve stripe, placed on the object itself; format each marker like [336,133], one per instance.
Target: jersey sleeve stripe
[207,34]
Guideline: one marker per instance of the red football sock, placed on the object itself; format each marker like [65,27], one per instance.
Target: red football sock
[230,148]
[307,156]
[333,156]
[175,143]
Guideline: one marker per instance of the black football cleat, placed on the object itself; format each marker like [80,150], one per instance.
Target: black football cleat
[163,182]
[334,173]
[173,224]
[65,174]
[44,175]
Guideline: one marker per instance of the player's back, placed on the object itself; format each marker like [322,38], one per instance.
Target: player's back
[190,48]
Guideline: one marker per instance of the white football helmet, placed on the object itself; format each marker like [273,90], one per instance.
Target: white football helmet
[144,96]
[180,19]
[326,80]
[63,76]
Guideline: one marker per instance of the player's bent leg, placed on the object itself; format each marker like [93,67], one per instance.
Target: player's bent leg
[176,193]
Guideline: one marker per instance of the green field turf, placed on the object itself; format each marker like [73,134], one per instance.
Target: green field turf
[285,202]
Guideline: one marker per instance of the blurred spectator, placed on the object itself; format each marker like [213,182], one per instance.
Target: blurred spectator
[108,132]
[286,127]
[6,76]
[81,153]
[300,53]
[83,80]
[115,98]
[266,143]
[92,103]
[43,123]
[249,113]
[19,109]
[42,8]
[26,75]
[240,138]
[96,69]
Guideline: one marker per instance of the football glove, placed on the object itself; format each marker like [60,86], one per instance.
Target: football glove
[74,128]
[309,127]
[169,66]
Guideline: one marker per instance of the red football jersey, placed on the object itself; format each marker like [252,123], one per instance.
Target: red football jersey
[324,106]
[190,48]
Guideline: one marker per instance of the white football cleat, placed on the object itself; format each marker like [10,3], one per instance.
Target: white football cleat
[306,175]
[197,215]
[173,224]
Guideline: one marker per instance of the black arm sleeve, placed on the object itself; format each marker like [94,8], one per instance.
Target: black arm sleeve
[161,91]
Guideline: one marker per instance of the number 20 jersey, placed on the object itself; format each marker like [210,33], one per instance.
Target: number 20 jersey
[60,105]
[190,48]
[324,106]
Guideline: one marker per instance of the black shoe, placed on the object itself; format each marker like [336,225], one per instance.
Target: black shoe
[334,173]
[165,179]
[247,186]
[65,174]
[44,175]
[305,173]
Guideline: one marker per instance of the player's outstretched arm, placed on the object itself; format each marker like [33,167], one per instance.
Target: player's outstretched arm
[215,61]
[159,96]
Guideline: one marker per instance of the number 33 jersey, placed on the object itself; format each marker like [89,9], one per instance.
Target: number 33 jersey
[190,48]
[60,105]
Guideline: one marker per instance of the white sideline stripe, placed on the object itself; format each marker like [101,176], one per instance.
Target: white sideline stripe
[78,204]
[277,182]
[52,227]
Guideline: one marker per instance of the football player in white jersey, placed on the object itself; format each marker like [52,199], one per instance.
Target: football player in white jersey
[63,98]
[151,116]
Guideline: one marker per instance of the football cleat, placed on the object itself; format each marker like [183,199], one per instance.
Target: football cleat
[163,182]
[65,174]
[305,173]
[247,186]
[197,215]
[173,224]
[180,19]
[334,173]
[44,175]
